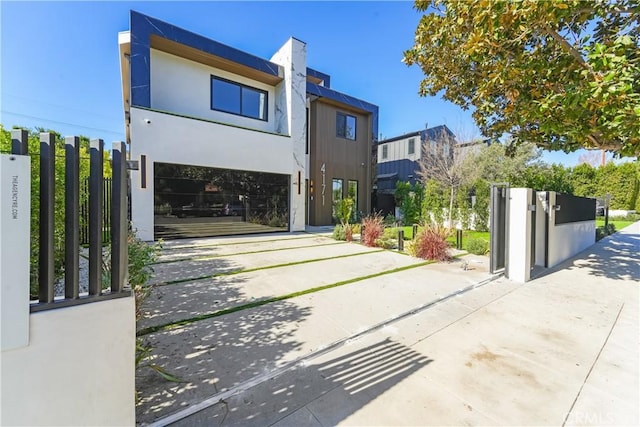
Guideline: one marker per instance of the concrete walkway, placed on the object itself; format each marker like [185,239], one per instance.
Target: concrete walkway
[397,350]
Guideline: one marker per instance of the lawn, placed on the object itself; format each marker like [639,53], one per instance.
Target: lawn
[466,235]
[618,223]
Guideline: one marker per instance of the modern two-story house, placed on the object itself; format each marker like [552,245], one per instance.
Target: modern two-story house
[398,160]
[230,143]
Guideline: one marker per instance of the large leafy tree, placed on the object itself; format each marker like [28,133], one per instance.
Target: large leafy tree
[564,74]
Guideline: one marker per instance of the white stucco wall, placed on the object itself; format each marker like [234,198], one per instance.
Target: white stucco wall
[171,139]
[292,94]
[78,369]
[519,235]
[567,240]
[541,226]
[182,86]
[398,150]
[15,245]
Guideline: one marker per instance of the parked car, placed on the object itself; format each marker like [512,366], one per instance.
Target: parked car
[194,211]
[600,207]
[233,209]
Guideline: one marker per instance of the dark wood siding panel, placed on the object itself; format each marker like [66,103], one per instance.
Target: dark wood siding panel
[343,158]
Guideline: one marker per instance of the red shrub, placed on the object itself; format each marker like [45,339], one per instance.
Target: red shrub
[372,229]
[431,244]
[348,232]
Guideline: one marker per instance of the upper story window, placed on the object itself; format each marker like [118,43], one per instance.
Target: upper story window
[236,98]
[411,148]
[346,126]
[385,151]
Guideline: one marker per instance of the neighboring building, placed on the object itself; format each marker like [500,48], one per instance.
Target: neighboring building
[398,157]
[229,143]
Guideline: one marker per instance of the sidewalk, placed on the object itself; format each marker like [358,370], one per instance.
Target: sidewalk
[562,349]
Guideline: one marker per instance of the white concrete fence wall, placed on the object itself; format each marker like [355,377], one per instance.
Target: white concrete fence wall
[65,366]
[553,246]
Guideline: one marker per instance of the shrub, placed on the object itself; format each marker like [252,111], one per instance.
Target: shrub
[373,229]
[603,231]
[343,209]
[477,246]
[140,269]
[630,216]
[390,233]
[389,220]
[355,228]
[338,232]
[344,232]
[431,243]
[385,243]
[348,232]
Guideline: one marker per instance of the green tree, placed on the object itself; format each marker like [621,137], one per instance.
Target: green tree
[435,199]
[543,177]
[621,182]
[563,74]
[444,165]
[583,179]
[409,199]
[492,163]
[481,207]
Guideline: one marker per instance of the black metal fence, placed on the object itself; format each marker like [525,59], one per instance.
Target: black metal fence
[97,188]
[106,208]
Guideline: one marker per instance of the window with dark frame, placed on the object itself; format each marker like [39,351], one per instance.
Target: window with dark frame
[385,151]
[235,98]
[411,148]
[346,126]
[352,191]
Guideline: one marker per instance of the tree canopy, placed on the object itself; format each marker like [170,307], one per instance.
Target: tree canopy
[563,74]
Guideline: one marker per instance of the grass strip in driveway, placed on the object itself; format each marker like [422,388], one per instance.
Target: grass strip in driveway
[266,267]
[179,323]
[204,258]
[208,245]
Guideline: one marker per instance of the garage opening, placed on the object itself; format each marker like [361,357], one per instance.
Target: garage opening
[195,201]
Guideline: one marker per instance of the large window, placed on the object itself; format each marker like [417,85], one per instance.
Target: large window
[236,98]
[346,126]
[336,196]
[411,148]
[352,191]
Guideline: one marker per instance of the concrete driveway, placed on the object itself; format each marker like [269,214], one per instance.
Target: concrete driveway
[310,332]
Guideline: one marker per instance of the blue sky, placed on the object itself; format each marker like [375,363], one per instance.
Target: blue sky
[60,68]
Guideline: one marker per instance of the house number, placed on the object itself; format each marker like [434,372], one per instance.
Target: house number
[324,182]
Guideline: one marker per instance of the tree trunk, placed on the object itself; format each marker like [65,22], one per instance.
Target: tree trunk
[451,207]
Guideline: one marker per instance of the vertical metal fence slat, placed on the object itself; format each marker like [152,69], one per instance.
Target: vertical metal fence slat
[72,217]
[95,217]
[47,202]
[119,216]
[84,237]
[19,142]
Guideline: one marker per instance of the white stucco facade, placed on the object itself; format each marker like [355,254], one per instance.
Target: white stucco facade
[182,86]
[78,369]
[292,95]
[182,128]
